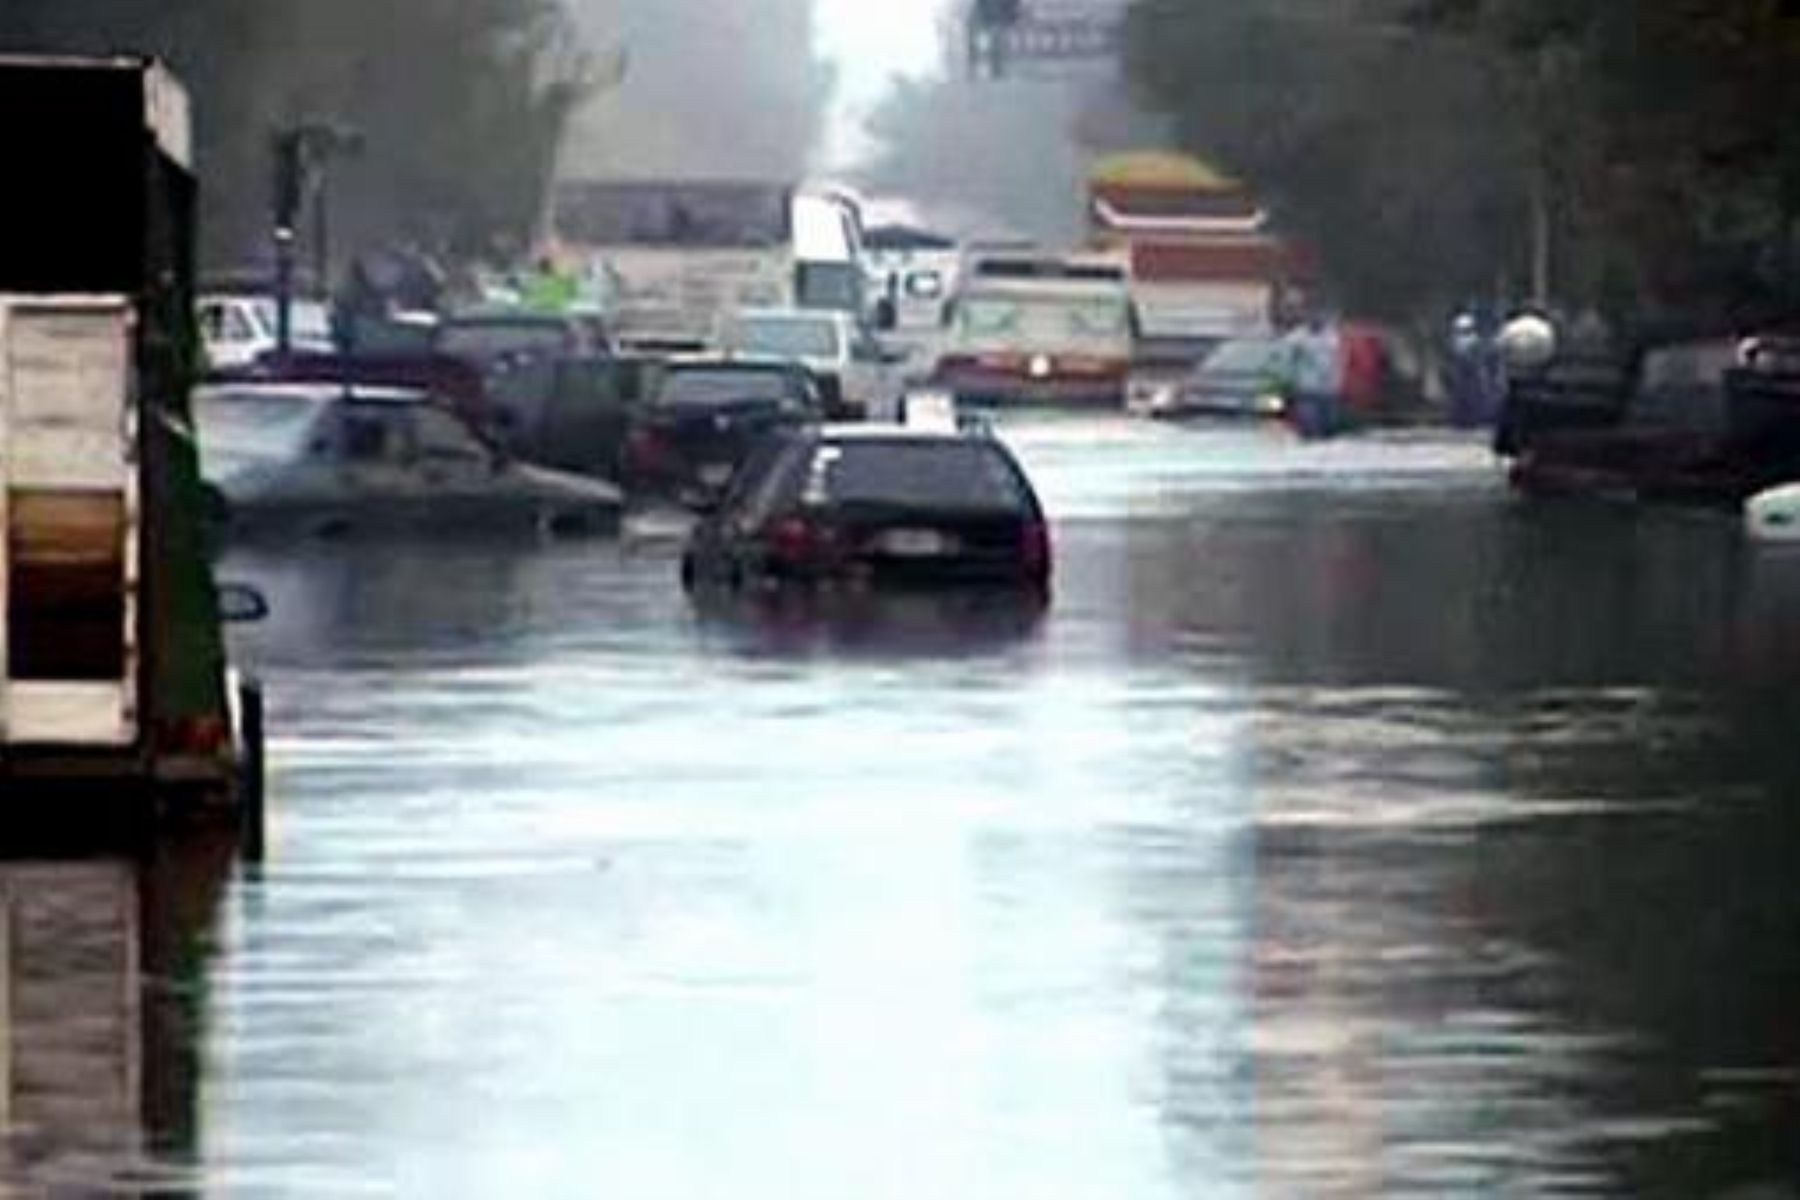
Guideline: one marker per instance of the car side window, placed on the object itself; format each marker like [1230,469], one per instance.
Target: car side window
[237,325]
[369,434]
[440,436]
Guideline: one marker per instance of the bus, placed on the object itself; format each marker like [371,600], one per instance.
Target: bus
[674,258]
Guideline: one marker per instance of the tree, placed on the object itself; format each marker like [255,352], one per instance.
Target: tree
[461,103]
[1414,140]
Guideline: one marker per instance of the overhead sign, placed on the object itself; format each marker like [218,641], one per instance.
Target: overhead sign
[1064,38]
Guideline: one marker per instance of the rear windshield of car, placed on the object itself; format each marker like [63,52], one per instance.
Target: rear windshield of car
[788,337]
[489,338]
[949,475]
[711,386]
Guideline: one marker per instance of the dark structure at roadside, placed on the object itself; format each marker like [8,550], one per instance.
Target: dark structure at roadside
[113,669]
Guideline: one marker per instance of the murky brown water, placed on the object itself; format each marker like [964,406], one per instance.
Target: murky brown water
[1342,829]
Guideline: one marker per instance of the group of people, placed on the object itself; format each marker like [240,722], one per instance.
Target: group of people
[1331,373]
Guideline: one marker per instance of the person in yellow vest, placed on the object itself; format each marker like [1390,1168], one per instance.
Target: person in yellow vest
[550,289]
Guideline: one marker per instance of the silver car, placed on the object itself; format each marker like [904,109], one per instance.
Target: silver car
[329,459]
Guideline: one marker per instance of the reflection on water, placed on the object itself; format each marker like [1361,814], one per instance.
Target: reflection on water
[1342,828]
[104,998]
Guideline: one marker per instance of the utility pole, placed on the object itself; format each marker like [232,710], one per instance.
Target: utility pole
[1542,234]
[1542,196]
[301,154]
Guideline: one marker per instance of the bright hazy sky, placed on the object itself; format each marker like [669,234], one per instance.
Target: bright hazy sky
[871,41]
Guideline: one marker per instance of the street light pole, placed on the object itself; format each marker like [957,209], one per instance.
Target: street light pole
[1542,233]
[1543,194]
[301,152]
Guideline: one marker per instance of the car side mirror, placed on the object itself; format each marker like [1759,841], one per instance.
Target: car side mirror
[241,604]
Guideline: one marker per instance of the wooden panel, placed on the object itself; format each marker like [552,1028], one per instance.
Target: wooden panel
[50,528]
[68,714]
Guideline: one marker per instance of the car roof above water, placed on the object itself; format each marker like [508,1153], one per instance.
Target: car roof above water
[319,393]
[878,431]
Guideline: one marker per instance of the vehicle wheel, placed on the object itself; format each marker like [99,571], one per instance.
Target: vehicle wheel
[252,773]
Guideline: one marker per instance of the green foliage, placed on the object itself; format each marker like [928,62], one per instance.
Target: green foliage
[1408,139]
[460,104]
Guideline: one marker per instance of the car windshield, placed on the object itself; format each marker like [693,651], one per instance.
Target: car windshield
[247,424]
[1248,357]
[789,337]
[944,474]
[489,339]
[710,386]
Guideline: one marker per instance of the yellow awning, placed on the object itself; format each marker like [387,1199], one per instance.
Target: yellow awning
[1160,169]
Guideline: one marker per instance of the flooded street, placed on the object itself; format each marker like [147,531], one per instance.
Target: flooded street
[1342,829]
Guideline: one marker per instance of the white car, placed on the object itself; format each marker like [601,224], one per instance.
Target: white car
[855,373]
[236,329]
[330,459]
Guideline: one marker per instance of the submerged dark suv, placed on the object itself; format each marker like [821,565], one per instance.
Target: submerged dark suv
[704,419]
[876,505]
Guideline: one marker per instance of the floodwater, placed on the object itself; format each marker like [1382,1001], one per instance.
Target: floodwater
[1342,829]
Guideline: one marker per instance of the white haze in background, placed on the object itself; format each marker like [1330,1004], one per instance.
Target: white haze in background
[713,89]
[865,89]
[869,44]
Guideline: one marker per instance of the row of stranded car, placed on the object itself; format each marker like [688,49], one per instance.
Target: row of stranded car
[327,445]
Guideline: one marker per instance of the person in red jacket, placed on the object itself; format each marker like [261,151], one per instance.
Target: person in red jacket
[1362,369]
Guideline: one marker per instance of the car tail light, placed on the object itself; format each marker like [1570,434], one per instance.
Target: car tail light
[797,541]
[1034,550]
[200,736]
[645,448]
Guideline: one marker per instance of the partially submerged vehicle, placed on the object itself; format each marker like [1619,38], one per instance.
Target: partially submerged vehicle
[872,504]
[1711,420]
[113,669]
[706,416]
[492,336]
[563,410]
[1031,328]
[333,459]
[1243,377]
[854,372]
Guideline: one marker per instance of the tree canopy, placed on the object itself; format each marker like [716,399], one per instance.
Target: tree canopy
[1412,141]
[459,105]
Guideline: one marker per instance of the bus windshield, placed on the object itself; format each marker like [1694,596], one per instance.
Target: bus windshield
[1043,320]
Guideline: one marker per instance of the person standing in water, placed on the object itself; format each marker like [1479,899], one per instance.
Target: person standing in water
[1313,377]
